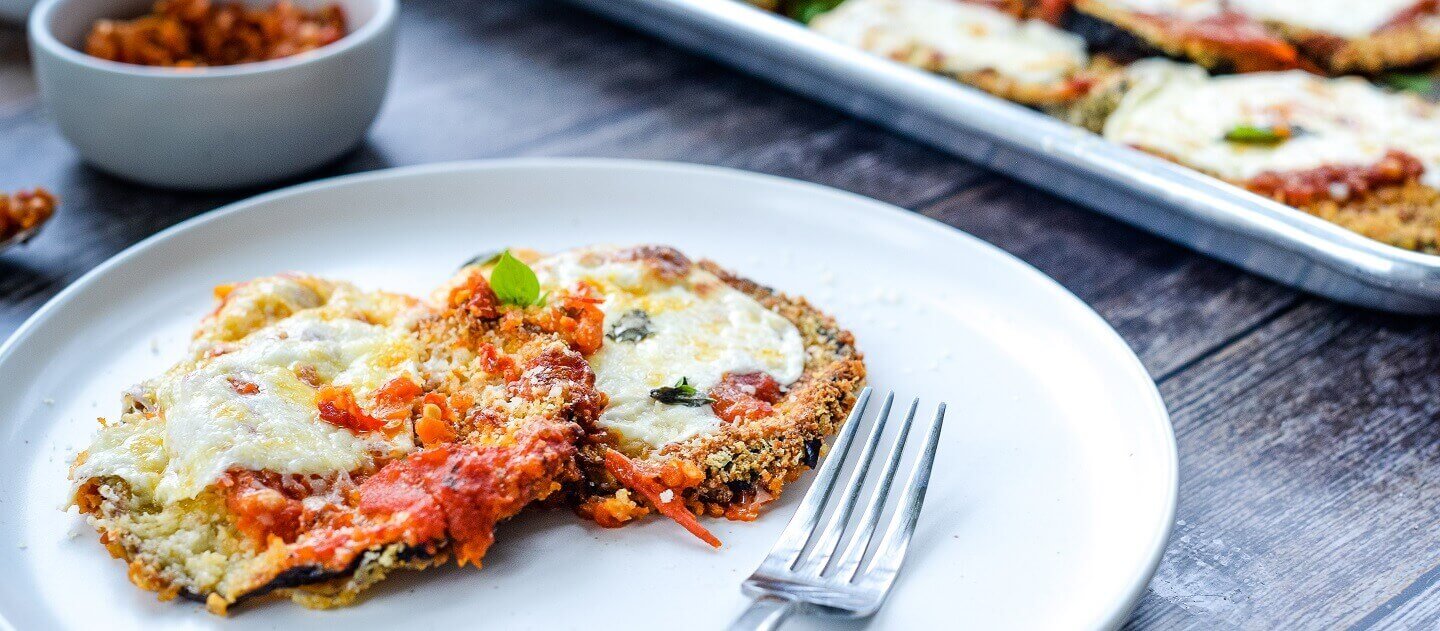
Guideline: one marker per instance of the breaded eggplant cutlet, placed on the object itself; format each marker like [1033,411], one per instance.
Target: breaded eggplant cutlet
[1000,49]
[1342,149]
[720,391]
[1205,31]
[318,437]
[1335,36]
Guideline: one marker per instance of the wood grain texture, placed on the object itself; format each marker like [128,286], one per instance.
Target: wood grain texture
[1169,304]
[1310,474]
[1415,607]
[17,85]
[1307,432]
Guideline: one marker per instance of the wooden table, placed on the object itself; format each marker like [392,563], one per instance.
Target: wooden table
[1309,447]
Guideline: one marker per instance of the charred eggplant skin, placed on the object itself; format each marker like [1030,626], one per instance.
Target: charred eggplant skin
[303,575]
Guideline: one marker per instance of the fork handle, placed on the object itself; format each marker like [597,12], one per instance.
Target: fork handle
[766,613]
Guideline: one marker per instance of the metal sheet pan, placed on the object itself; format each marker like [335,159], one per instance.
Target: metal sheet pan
[1223,221]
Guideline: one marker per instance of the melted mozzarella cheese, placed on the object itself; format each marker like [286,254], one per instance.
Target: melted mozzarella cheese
[1182,9]
[1180,112]
[257,303]
[1346,18]
[701,329]
[962,37]
[194,423]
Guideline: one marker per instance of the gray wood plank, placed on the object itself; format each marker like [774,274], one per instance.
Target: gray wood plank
[732,121]
[483,79]
[1415,607]
[17,87]
[1169,304]
[1310,473]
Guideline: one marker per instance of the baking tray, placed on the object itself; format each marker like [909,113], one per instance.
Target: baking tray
[1221,220]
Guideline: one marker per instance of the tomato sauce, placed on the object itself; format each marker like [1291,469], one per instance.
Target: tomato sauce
[475,298]
[462,491]
[1243,41]
[396,399]
[745,397]
[569,371]
[263,506]
[338,407]
[1337,182]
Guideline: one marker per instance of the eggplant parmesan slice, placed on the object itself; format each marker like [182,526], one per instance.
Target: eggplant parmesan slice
[1343,149]
[1208,32]
[1344,36]
[984,44]
[1337,36]
[719,391]
[319,437]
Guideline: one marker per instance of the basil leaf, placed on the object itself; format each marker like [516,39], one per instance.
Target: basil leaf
[806,10]
[514,282]
[483,259]
[682,393]
[683,385]
[1406,82]
[1252,135]
[633,326]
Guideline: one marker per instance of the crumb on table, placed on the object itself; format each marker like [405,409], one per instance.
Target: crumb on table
[24,211]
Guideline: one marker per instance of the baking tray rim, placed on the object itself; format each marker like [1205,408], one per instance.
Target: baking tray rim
[1201,197]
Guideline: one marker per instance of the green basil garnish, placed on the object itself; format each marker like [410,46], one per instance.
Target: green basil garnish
[1407,82]
[633,326]
[682,393]
[806,10]
[1253,135]
[515,283]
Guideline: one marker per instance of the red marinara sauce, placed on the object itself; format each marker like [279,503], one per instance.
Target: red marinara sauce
[1338,182]
[462,491]
[1243,41]
[338,407]
[745,397]
[263,505]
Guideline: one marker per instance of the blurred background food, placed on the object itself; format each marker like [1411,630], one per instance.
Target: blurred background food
[188,33]
[1316,105]
[23,212]
[266,91]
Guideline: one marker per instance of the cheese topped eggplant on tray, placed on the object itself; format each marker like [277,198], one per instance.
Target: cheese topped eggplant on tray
[1335,35]
[1344,149]
[1012,56]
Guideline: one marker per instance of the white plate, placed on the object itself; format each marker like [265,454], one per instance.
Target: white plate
[1049,506]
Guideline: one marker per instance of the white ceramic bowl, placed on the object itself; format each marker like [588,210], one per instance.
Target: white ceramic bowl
[218,127]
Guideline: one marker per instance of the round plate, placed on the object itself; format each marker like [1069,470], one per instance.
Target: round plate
[1051,499]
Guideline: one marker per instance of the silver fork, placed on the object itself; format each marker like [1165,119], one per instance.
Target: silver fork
[812,578]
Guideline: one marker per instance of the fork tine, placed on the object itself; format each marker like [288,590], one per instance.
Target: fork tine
[797,532]
[849,560]
[829,539]
[891,553]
